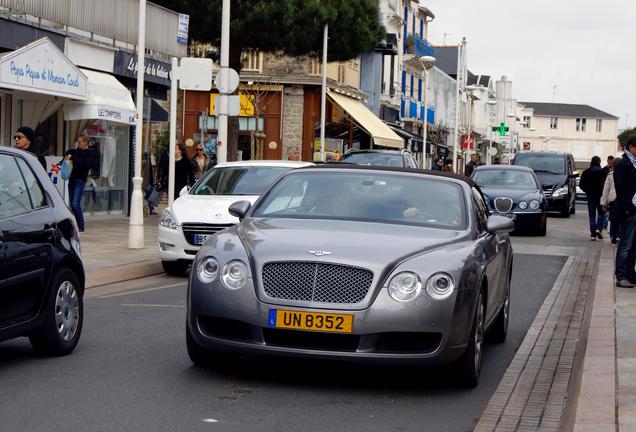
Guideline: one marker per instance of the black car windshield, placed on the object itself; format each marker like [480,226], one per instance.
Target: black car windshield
[374,158]
[547,163]
[366,196]
[238,180]
[505,179]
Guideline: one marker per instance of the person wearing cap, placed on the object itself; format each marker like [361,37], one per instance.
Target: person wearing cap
[24,137]
[438,165]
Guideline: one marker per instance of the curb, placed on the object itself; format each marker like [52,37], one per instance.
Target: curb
[122,273]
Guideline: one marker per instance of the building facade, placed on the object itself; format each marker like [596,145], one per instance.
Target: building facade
[582,130]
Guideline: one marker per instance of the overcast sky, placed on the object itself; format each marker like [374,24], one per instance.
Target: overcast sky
[587,48]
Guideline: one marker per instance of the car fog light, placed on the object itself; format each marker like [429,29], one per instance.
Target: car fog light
[234,274]
[208,270]
[440,286]
[534,204]
[405,286]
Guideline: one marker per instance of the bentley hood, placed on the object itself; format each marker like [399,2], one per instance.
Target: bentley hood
[369,245]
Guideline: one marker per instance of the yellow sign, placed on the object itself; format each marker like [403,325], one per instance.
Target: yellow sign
[247,108]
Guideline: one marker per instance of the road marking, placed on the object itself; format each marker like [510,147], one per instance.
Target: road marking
[152,305]
[210,420]
[141,290]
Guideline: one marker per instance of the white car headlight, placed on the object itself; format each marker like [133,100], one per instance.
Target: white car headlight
[560,191]
[405,286]
[523,205]
[534,204]
[440,286]
[208,270]
[167,220]
[234,274]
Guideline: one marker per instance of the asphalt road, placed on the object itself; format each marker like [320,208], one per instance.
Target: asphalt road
[131,372]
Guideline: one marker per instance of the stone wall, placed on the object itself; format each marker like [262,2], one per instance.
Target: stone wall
[293,104]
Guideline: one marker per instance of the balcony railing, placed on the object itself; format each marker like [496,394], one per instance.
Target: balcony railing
[419,46]
[114,19]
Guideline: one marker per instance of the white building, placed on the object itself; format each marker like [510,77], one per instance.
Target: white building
[582,130]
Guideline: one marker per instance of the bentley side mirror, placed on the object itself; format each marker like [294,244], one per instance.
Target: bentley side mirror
[240,208]
[499,224]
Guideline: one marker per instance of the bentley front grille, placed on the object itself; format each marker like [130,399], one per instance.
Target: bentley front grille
[190,229]
[316,282]
[503,204]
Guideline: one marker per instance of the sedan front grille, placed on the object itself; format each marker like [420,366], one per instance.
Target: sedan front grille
[548,191]
[190,229]
[316,282]
[503,204]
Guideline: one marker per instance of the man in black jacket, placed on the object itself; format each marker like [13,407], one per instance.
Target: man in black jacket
[592,181]
[24,140]
[625,184]
[83,159]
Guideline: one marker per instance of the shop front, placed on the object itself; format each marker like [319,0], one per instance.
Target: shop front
[106,117]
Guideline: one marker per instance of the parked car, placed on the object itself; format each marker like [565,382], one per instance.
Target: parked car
[392,158]
[343,262]
[203,210]
[514,192]
[580,195]
[557,175]
[41,271]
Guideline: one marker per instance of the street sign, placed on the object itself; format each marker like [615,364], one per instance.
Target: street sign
[227,80]
[502,129]
[195,74]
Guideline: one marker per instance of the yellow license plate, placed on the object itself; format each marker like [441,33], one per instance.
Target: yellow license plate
[314,321]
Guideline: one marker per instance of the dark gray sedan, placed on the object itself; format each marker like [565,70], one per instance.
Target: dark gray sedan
[355,263]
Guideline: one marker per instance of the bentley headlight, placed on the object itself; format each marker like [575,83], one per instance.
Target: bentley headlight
[440,286]
[234,274]
[405,286]
[534,204]
[560,191]
[523,205]
[167,220]
[208,270]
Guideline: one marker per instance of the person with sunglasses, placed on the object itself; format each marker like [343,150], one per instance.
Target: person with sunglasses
[24,137]
[200,162]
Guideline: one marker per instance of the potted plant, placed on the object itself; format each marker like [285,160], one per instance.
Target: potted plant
[409,43]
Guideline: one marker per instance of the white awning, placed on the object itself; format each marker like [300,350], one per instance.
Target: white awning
[108,99]
[380,133]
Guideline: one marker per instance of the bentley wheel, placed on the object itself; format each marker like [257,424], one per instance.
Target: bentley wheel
[499,330]
[470,361]
[198,355]
[63,316]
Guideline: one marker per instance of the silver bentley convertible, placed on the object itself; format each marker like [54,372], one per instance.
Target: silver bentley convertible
[355,263]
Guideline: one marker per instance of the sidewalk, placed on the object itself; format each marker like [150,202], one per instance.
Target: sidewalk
[575,370]
[105,252]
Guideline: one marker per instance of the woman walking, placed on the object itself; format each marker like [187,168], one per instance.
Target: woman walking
[183,173]
[200,162]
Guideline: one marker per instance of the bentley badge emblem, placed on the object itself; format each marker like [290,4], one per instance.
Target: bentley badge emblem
[319,253]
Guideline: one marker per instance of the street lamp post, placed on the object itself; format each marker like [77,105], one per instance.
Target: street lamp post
[491,117]
[427,62]
[512,135]
[136,223]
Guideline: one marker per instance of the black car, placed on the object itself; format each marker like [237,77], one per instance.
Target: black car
[514,192]
[41,272]
[557,175]
[392,158]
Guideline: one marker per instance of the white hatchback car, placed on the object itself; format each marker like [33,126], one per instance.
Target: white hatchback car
[203,210]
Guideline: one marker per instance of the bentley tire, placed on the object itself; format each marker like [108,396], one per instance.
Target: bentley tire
[469,366]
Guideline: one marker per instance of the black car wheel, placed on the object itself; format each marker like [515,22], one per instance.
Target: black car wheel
[499,330]
[573,209]
[543,228]
[566,211]
[469,366]
[63,317]
[175,268]
[203,357]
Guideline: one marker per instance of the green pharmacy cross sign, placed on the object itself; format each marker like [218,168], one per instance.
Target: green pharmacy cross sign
[502,129]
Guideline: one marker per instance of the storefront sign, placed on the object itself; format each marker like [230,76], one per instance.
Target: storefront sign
[247,108]
[182,30]
[155,71]
[41,67]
